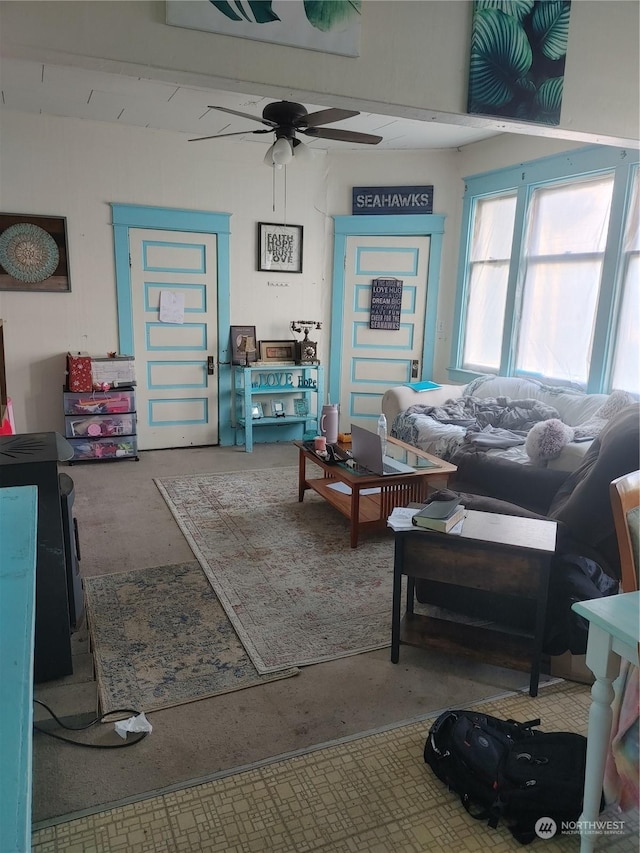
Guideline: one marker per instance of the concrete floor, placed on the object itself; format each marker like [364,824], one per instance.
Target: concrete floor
[125,524]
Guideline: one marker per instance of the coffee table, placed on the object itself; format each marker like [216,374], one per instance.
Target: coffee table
[367,500]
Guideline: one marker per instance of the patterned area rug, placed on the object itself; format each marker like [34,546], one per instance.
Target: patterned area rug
[161,638]
[294,590]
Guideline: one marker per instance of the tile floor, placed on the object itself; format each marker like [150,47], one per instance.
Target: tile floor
[369,794]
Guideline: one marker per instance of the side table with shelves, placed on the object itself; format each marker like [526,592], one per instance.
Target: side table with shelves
[493,555]
[101,425]
[255,387]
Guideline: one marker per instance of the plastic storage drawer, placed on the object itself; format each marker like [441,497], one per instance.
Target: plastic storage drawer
[98,426]
[120,447]
[99,403]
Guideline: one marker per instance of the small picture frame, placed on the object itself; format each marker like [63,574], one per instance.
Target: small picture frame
[277,409]
[256,411]
[280,352]
[301,407]
[242,340]
[279,247]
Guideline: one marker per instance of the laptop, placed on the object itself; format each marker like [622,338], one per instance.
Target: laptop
[366,449]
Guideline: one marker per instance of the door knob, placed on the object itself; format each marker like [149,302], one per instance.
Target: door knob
[210,365]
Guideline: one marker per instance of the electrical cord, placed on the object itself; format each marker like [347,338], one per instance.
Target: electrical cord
[103,719]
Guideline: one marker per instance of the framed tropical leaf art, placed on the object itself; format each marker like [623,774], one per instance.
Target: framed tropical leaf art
[518,50]
[330,26]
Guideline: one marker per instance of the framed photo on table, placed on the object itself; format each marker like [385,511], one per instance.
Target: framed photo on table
[243,344]
[279,247]
[282,352]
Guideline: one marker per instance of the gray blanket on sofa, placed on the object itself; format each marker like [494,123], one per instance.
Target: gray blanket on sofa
[479,412]
[485,422]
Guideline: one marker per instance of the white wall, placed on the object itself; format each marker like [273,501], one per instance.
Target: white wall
[74,168]
[413,60]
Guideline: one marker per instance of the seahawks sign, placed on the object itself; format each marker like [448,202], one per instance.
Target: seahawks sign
[392,200]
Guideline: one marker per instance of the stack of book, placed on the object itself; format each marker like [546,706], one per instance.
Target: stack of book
[444,524]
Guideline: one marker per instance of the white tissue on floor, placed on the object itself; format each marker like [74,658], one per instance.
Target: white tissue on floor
[133,724]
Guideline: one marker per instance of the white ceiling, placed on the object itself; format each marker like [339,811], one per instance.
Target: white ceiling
[48,89]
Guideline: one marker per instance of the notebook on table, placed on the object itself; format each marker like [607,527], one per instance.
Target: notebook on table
[366,449]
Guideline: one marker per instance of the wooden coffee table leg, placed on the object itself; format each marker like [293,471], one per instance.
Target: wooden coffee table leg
[355,516]
[302,469]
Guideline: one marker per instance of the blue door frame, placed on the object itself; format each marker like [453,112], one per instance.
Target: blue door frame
[126,216]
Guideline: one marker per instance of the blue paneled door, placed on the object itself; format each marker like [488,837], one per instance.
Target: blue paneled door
[175,352]
[375,359]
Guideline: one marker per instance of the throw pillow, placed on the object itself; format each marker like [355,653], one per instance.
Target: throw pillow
[546,439]
[615,402]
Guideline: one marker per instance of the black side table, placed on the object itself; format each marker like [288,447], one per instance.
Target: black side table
[494,554]
[31,459]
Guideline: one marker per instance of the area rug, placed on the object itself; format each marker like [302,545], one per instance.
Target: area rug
[160,638]
[293,588]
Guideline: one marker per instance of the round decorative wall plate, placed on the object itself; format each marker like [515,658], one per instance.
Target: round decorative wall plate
[28,252]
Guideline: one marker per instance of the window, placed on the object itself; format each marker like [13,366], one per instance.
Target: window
[561,269]
[548,287]
[626,362]
[488,274]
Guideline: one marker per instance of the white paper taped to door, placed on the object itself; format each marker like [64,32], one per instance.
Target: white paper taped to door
[171,307]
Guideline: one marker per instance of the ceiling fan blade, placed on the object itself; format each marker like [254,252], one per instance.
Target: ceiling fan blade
[237,133]
[326,117]
[244,115]
[342,135]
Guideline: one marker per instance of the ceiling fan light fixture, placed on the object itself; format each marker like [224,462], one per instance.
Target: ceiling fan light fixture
[268,157]
[282,152]
[301,152]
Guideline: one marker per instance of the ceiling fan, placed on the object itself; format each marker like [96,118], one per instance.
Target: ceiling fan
[286,119]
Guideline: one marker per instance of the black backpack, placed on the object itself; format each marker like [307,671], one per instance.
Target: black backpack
[504,770]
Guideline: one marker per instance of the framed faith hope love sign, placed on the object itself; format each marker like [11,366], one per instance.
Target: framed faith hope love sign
[279,247]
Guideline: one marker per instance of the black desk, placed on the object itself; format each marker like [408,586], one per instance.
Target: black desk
[31,459]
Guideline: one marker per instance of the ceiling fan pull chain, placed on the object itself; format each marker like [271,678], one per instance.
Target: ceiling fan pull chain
[285,195]
[273,190]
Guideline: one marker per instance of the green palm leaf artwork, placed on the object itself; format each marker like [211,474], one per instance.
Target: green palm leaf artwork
[325,15]
[328,15]
[500,56]
[258,11]
[330,26]
[518,52]
[550,22]
[519,9]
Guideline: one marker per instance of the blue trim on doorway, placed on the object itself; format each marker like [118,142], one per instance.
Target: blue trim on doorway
[125,216]
[424,225]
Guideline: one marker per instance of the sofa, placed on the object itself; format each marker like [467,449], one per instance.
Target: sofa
[586,564]
[522,420]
